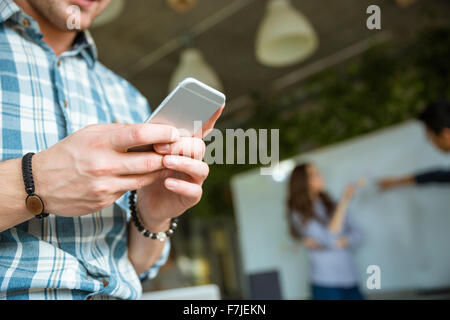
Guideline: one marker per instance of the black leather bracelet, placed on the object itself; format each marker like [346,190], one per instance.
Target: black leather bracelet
[33,202]
[161,236]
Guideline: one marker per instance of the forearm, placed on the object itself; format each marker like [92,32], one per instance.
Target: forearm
[389,183]
[144,252]
[338,217]
[405,181]
[12,195]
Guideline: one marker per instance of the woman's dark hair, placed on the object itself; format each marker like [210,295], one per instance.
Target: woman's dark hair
[436,116]
[299,200]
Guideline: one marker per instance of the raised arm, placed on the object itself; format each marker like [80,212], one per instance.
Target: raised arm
[433,176]
[337,219]
[390,183]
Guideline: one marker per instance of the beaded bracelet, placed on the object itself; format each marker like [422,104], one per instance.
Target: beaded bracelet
[161,236]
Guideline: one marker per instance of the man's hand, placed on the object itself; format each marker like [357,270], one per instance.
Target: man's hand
[179,186]
[176,188]
[90,169]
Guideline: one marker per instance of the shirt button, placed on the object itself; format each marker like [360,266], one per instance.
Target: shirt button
[66,104]
[25,22]
[105,283]
[58,63]
[89,298]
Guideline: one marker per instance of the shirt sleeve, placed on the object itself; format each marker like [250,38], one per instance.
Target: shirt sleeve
[435,176]
[122,202]
[153,271]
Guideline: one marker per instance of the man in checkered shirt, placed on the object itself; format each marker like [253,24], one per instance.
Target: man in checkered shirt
[58,101]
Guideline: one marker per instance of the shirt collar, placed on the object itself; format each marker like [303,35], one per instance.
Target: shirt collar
[84,43]
[8,9]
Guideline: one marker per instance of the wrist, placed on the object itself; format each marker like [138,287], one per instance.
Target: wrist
[159,229]
[406,180]
[155,226]
[39,175]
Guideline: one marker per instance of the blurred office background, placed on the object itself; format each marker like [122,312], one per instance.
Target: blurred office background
[315,71]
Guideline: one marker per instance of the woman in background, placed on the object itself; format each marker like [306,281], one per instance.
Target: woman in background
[327,232]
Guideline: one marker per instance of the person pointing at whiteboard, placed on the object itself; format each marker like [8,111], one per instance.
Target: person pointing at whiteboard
[436,118]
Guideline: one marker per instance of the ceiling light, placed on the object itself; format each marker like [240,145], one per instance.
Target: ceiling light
[283,170]
[404,3]
[192,64]
[285,36]
[181,6]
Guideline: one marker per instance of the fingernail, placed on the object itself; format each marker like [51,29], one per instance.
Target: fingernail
[171,161]
[171,183]
[163,147]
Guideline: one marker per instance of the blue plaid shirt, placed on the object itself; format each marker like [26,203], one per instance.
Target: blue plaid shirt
[44,98]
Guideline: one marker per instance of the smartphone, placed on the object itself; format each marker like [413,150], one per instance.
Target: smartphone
[188,106]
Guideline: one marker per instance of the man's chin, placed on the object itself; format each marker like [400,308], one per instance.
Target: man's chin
[78,25]
[81,17]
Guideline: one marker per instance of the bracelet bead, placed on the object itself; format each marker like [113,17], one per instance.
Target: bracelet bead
[161,236]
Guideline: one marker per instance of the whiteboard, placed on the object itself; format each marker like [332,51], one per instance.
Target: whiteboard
[406,231]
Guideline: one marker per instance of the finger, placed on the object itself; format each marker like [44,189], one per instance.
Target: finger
[183,188]
[188,147]
[196,169]
[146,148]
[209,124]
[104,126]
[137,181]
[139,163]
[126,137]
